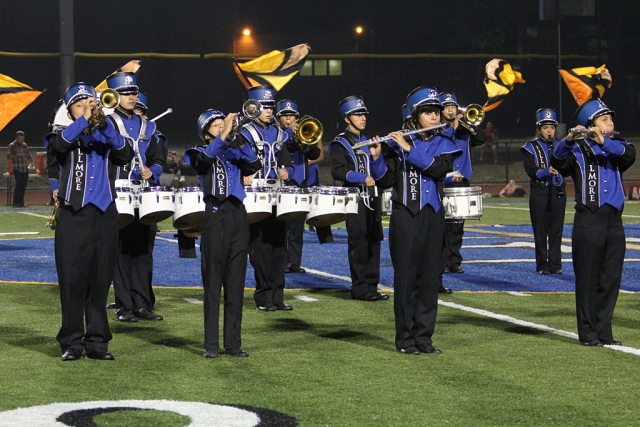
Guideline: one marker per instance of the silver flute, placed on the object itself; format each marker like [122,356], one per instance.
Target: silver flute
[406,132]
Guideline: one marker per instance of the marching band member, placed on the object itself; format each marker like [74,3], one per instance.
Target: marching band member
[225,238]
[547,200]
[86,236]
[287,116]
[465,138]
[365,229]
[415,166]
[596,161]
[132,281]
[268,236]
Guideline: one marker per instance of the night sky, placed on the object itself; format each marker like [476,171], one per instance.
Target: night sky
[474,30]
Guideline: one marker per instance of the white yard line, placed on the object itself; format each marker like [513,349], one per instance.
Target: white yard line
[537,326]
[33,214]
[171,240]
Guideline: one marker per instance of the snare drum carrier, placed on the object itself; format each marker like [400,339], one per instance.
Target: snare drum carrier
[154,203]
[361,166]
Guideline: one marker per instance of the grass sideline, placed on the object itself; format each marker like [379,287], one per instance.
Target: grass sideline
[333,362]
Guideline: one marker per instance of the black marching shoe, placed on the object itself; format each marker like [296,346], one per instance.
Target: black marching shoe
[409,350]
[444,290]
[291,268]
[610,342]
[100,355]
[372,297]
[237,353]
[543,271]
[114,306]
[284,307]
[146,314]
[267,307]
[71,354]
[210,354]
[456,269]
[428,348]
[555,271]
[123,315]
[592,343]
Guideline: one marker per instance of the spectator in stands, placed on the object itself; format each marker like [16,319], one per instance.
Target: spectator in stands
[492,136]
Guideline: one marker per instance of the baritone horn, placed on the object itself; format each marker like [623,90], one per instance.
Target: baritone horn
[309,132]
[109,98]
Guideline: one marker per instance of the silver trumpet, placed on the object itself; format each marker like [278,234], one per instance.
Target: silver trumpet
[406,132]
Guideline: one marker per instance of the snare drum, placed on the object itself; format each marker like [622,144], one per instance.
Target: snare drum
[189,208]
[351,207]
[292,202]
[462,203]
[155,204]
[258,203]
[125,205]
[328,206]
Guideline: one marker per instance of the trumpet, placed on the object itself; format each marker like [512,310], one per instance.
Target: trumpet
[52,219]
[472,115]
[251,109]
[109,98]
[586,131]
[308,134]
[406,132]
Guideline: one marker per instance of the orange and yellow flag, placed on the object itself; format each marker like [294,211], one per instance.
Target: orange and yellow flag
[14,98]
[499,82]
[275,68]
[586,83]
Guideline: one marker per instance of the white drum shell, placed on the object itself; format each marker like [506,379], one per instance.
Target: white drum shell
[155,204]
[351,207]
[462,203]
[328,206]
[189,208]
[258,203]
[125,206]
[292,202]
[387,204]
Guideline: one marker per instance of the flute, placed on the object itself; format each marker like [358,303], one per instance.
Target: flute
[578,131]
[406,132]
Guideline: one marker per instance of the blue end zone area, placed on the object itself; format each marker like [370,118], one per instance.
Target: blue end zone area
[497,258]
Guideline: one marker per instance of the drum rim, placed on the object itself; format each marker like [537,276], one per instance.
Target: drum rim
[293,190]
[159,188]
[463,190]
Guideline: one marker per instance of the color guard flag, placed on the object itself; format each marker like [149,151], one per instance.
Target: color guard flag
[499,81]
[130,67]
[14,97]
[587,82]
[275,68]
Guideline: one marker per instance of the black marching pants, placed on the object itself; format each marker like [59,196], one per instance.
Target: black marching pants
[267,254]
[364,237]
[547,220]
[599,246]
[86,242]
[224,246]
[415,243]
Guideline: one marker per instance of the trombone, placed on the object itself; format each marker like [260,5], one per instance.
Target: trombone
[109,98]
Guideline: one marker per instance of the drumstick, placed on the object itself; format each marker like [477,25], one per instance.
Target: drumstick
[169,111]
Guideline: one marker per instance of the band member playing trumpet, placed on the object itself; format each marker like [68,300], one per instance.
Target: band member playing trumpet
[301,156]
[225,237]
[465,136]
[596,163]
[268,236]
[415,166]
[364,230]
[86,238]
[133,278]
[547,199]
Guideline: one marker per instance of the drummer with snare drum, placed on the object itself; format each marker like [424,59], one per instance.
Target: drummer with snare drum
[465,137]
[133,276]
[268,236]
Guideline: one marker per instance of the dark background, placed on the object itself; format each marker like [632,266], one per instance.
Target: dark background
[467,34]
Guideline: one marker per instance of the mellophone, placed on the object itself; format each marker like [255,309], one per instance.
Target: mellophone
[459,203]
[322,206]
